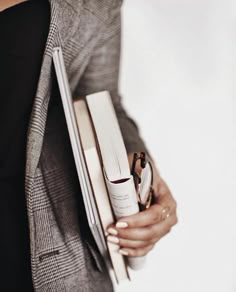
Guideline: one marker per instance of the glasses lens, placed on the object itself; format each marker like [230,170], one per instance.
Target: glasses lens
[146,182]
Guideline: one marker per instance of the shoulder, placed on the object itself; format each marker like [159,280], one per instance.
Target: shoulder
[94,17]
[104,9]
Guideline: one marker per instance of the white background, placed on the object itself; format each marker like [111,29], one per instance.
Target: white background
[178,66]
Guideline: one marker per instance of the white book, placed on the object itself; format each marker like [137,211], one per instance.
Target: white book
[97,205]
[87,193]
[116,167]
[99,186]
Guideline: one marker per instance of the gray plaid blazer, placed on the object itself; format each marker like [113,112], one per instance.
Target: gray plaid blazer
[63,258]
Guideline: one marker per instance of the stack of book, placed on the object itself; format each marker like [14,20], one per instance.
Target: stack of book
[102,165]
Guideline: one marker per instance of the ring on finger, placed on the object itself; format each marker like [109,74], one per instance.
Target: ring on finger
[165,213]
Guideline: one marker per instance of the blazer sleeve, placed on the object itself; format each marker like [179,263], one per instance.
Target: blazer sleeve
[102,73]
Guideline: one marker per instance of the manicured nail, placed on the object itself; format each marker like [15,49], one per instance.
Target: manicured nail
[121,224]
[112,231]
[123,252]
[113,239]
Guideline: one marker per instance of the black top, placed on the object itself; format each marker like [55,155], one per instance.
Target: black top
[23,33]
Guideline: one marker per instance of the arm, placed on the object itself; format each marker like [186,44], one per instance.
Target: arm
[135,234]
[102,73]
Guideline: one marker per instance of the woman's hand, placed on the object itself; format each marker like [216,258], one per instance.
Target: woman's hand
[137,234]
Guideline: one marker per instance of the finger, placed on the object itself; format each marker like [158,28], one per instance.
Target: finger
[129,243]
[152,215]
[138,252]
[147,233]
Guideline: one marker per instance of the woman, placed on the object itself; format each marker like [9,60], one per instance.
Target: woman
[46,244]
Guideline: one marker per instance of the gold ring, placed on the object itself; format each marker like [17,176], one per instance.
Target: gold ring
[165,213]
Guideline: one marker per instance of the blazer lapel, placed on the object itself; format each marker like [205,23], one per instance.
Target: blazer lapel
[65,17]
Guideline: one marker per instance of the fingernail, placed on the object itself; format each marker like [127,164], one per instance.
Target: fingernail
[121,224]
[123,252]
[112,231]
[113,239]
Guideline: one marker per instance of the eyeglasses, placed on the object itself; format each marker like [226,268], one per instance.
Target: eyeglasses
[143,180]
